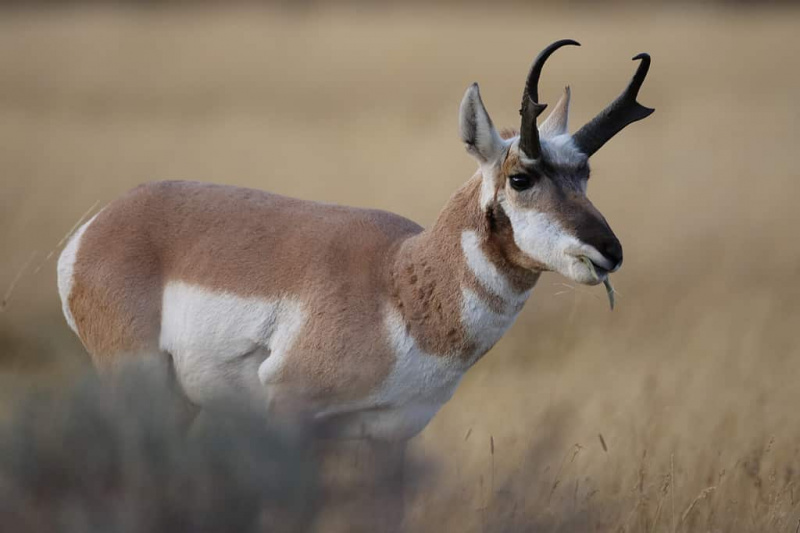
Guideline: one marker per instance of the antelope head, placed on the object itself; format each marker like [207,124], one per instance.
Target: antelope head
[534,184]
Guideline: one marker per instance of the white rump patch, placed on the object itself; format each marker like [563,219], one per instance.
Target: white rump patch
[66,269]
[224,344]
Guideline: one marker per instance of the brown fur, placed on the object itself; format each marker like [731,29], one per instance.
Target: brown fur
[342,263]
[431,271]
[428,276]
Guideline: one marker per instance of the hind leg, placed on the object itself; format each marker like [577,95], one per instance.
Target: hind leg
[154,373]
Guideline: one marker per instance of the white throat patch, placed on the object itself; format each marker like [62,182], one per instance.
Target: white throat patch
[486,272]
[484,324]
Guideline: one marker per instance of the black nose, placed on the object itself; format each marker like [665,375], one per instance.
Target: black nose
[612,250]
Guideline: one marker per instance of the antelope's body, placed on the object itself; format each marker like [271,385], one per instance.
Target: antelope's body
[358,320]
[337,310]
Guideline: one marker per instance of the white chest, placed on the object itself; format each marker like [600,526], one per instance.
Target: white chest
[418,385]
[417,377]
[482,323]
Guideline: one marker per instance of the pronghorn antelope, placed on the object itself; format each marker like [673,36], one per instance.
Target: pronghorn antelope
[357,321]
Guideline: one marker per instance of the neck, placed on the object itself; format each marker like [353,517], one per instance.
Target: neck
[457,284]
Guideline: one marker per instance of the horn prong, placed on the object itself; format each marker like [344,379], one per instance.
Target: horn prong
[531,107]
[620,113]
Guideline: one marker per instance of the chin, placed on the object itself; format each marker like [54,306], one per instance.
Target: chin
[580,273]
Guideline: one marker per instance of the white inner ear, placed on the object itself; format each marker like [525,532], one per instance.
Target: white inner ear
[477,131]
[557,122]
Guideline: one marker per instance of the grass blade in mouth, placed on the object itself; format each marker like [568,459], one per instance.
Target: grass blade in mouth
[606,280]
[610,290]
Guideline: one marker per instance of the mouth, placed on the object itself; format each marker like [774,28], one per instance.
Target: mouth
[599,271]
[600,274]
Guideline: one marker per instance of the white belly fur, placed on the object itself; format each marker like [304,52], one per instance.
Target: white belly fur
[223,345]
[416,388]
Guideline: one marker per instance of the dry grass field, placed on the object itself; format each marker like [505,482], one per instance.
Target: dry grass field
[676,412]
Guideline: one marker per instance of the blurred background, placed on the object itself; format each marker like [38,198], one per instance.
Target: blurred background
[675,412]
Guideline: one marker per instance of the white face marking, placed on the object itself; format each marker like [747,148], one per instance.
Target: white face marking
[66,268]
[542,238]
[540,235]
[223,344]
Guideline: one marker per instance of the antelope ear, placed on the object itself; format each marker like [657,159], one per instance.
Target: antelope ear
[477,130]
[557,122]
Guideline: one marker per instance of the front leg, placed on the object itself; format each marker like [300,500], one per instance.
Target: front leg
[362,486]
[361,478]
[290,411]
[390,479]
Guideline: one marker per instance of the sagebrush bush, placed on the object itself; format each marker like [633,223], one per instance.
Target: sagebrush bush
[116,457]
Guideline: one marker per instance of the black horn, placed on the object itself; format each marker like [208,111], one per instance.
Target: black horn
[621,112]
[531,108]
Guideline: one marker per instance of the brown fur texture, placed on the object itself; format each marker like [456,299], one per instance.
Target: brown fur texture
[343,264]
[432,271]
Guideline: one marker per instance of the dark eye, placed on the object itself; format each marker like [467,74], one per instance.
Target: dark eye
[520,182]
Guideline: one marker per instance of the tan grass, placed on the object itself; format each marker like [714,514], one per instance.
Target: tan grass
[698,364]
